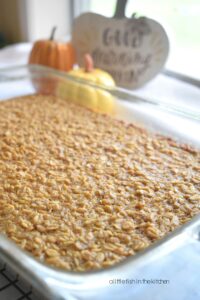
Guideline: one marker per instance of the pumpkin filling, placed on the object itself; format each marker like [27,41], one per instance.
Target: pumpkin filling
[81,191]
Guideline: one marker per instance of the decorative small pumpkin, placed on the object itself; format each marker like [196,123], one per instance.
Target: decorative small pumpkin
[91,74]
[88,96]
[53,54]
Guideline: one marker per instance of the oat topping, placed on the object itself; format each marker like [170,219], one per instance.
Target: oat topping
[81,191]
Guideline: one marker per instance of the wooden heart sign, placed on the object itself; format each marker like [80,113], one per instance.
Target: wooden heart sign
[132,50]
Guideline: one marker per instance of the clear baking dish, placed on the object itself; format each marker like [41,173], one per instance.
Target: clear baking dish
[154,115]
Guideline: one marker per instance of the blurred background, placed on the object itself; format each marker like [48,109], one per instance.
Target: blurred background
[28,20]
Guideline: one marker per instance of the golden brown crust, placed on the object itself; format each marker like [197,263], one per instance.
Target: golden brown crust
[83,191]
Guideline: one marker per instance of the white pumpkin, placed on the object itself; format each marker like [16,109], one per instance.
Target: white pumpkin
[133,50]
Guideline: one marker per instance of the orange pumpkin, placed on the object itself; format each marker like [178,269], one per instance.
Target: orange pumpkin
[53,54]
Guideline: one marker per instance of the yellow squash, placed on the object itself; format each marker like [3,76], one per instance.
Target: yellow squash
[84,95]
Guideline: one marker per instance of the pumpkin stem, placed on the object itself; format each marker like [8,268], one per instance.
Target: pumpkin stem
[52,33]
[120,9]
[89,64]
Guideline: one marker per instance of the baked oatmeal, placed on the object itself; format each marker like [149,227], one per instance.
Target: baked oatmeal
[80,190]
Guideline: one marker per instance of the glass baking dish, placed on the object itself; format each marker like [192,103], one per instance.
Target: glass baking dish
[151,114]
